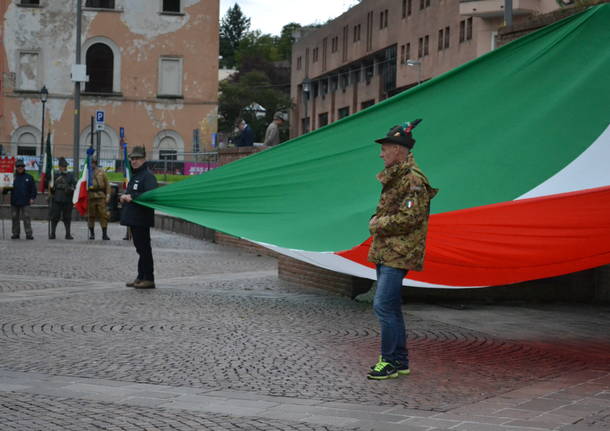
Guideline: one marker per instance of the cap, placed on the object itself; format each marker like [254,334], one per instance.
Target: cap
[400,135]
[62,162]
[278,116]
[138,152]
[19,163]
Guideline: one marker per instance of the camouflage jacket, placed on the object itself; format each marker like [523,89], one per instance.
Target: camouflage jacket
[399,232]
[100,188]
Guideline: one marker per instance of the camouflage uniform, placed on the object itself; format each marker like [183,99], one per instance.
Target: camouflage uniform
[97,199]
[399,234]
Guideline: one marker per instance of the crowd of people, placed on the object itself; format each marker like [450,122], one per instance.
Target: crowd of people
[137,218]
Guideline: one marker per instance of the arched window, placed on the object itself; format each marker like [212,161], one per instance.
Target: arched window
[100,68]
[168,145]
[109,148]
[25,141]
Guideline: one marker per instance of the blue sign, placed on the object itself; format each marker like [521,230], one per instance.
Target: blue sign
[122,132]
[99,117]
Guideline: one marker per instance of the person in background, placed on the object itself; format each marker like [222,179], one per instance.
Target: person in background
[139,218]
[99,195]
[23,193]
[246,135]
[61,198]
[272,134]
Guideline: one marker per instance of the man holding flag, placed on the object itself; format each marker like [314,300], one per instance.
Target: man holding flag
[61,198]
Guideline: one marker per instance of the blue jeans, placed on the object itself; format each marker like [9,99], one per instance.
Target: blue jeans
[388,308]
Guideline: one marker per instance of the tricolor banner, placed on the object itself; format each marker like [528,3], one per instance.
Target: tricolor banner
[517,141]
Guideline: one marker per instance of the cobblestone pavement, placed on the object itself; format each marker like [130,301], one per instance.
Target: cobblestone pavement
[229,346]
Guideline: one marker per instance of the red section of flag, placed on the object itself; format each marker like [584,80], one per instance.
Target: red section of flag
[514,241]
[81,195]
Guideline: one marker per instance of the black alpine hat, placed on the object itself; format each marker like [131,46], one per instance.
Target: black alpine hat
[62,162]
[19,163]
[400,135]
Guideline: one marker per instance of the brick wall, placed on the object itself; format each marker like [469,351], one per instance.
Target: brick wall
[228,155]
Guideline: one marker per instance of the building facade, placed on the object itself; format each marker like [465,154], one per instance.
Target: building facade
[152,68]
[379,48]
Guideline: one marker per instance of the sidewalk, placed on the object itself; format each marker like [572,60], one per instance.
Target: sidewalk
[223,344]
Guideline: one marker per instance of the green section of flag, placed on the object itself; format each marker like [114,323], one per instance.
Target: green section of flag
[493,129]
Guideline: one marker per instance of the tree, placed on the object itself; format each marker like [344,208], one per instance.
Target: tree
[233,27]
[285,41]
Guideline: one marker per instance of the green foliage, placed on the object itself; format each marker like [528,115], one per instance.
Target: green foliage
[233,27]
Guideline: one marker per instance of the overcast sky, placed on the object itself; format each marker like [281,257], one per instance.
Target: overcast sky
[269,16]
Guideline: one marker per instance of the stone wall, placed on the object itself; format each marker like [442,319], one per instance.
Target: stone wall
[228,155]
[536,22]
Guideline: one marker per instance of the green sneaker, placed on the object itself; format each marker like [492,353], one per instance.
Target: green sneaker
[382,371]
[402,368]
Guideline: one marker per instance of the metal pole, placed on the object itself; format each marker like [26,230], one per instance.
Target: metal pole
[418,73]
[42,139]
[508,13]
[79,13]
[98,146]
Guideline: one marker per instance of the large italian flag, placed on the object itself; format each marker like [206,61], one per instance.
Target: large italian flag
[517,141]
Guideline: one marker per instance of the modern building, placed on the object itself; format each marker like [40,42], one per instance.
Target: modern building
[379,48]
[152,68]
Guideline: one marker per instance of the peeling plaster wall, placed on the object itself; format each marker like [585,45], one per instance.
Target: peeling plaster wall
[142,35]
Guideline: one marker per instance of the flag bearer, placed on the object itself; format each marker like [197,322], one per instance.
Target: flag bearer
[61,198]
[99,195]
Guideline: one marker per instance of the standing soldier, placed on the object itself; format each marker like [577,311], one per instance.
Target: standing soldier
[61,198]
[140,218]
[399,229]
[99,195]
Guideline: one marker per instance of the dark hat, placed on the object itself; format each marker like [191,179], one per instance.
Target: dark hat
[138,152]
[400,135]
[19,163]
[62,162]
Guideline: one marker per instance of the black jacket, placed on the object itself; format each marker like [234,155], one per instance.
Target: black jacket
[24,190]
[64,186]
[134,214]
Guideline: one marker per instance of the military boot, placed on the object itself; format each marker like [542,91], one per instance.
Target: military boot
[67,225]
[53,229]
[91,233]
[105,236]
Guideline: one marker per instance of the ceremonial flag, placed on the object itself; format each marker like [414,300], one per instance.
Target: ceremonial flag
[80,199]
[517,141]
[47,176]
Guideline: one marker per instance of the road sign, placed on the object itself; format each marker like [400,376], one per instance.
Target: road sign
[99,127]
[99,117]
[121,132]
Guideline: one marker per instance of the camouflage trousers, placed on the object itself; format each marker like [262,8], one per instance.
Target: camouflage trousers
[23,213]
[97,209]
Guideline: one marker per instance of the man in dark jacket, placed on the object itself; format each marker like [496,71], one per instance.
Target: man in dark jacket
[23,194]
[61,198]
[140,218]
[246,137]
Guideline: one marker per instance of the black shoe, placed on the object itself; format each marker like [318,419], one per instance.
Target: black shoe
[68,236]
[91,233]
[105,234]
[15,237]
[52,236]
[382,371]
[29,237]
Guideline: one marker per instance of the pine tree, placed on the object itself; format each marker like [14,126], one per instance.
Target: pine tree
[233,28]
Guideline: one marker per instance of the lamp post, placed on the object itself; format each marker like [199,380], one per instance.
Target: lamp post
[44,95]
[417,63]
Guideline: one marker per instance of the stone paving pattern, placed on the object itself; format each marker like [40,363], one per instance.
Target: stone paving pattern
[222,325]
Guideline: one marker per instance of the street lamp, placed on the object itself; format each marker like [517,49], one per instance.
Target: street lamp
[417,63]
[44,95]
